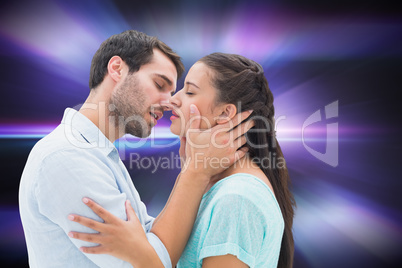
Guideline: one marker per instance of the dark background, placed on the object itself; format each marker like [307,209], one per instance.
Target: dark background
[313,53]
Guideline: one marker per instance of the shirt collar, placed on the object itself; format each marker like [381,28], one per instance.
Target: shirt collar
[89,131]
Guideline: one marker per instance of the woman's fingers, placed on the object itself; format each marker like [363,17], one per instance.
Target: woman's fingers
[182,150]
[239,154]
[94,250]
[239,142]
[243,128]
[90,223]
[131,216]
[93,238]
[100,211]
[195,118]
[236,156]
[240,117]
[231,131]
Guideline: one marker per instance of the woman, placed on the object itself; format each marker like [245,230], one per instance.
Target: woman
[246,215]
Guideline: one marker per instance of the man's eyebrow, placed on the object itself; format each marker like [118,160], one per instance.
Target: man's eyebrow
[164,77]
[192,84]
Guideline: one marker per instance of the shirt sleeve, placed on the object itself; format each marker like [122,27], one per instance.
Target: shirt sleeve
[236,228]
[65,178]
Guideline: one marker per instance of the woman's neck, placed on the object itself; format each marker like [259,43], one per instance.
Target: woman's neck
[244,165]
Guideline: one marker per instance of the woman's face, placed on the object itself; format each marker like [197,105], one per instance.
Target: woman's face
[199,91]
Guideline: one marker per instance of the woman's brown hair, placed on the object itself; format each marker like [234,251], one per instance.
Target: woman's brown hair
[241,81]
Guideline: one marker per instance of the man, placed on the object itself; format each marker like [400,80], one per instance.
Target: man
[132,76]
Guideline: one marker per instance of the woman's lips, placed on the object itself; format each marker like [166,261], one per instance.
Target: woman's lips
[174,115]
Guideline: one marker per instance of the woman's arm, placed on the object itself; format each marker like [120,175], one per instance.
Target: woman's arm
[182,154]
[223,261]
[220,143]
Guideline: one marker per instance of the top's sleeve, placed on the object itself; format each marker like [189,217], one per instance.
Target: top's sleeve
[65,178]
[236,228]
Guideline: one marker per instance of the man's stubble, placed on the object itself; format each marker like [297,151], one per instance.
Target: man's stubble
[128,108]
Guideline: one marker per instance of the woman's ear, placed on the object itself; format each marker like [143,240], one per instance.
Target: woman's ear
[115,67]
[228,111]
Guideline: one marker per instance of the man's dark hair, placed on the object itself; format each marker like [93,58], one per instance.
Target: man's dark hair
[134,48]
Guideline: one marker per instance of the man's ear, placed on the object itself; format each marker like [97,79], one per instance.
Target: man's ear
[228,111]
[115,67]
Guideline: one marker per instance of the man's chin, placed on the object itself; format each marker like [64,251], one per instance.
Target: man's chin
[139,132]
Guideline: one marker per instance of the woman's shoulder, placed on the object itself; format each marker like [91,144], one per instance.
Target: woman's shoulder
[244,188]
[242,184]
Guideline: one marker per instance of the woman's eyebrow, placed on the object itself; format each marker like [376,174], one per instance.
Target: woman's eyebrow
[192,84]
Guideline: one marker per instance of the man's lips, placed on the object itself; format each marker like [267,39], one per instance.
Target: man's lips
[156,114]
[169,107]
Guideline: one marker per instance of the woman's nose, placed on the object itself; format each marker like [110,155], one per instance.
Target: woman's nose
[175,99]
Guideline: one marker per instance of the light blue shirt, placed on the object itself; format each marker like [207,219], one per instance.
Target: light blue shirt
[239,215]
[74,161]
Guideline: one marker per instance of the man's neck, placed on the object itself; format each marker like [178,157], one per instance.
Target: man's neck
[97,111]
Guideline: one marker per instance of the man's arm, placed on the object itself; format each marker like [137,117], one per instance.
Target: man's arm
[65,177]
[126,239]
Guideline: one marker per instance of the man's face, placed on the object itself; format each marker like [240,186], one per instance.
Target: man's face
[136,102]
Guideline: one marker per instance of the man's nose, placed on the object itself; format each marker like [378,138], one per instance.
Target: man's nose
[165,101]
[164,97]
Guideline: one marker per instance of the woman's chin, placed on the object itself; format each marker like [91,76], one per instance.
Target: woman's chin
[175,131]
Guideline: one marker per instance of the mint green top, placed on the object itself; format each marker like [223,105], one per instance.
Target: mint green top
[239,215]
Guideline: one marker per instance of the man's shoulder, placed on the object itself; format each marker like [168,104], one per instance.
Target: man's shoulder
[60,140]
[59,146]
[45,147]
[56,156]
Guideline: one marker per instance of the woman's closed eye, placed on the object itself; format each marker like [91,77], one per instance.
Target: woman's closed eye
[189,93]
